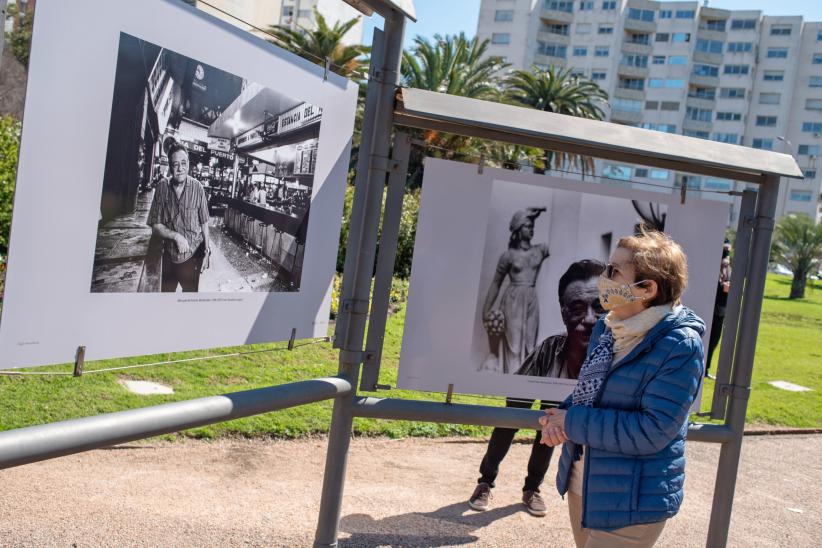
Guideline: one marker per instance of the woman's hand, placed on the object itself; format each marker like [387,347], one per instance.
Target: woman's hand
[553,427]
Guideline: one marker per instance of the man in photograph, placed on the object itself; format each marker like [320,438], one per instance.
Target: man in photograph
[179,215]
[558,356]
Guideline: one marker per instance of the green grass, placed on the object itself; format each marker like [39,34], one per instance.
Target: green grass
[789,349]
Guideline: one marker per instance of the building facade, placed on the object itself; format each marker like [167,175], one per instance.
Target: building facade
[738,77]
[287,13]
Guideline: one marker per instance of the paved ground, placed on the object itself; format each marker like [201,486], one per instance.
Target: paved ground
[399,493]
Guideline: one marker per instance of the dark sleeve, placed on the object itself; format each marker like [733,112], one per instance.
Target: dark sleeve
[202,208]
[664,406]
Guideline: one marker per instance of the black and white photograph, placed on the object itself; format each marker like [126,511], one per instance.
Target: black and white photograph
[180,186]
[538,298]
[208,179]
[503,294]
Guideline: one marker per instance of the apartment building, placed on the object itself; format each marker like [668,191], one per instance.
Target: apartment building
[288,13]
[738,77]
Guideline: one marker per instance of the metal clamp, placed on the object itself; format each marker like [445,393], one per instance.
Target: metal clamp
[380,163]
[735,391]
[355,306]
[352,356]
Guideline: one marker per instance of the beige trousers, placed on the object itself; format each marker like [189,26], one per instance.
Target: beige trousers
[635,536]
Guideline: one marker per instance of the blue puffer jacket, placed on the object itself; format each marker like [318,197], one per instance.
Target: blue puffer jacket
[634,435]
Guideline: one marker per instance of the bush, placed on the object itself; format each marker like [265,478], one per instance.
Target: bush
[9,146]
[405,240]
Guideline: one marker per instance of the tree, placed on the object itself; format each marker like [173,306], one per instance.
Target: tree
[559,91]
[457,66]
[9,145]
[798,246]
[19,38]
[325,42]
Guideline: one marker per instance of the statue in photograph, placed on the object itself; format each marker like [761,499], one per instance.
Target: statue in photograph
[515,323]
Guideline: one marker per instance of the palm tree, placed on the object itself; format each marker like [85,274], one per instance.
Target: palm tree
[798,246]
[559,91]
[454,65]
[325,43]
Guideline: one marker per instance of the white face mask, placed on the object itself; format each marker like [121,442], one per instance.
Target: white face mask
[614,294]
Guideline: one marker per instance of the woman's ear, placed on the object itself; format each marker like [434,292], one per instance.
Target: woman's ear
[651,288]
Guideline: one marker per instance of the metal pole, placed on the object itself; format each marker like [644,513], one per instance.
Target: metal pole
[739,273]
[739,389]
[36,443]
[360,254]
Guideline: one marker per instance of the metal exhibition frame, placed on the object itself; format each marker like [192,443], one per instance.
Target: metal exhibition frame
[385,107]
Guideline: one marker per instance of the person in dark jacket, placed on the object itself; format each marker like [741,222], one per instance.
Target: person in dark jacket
[623,428]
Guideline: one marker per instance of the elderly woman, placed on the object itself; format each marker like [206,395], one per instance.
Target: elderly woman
[521,262]
[624,426]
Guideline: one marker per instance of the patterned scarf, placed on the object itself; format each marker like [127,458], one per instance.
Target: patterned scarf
[593,370]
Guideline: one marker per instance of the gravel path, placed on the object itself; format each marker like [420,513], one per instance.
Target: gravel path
[399,493]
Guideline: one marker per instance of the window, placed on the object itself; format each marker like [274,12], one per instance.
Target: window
[651,105]
[699,114]
[817,59]
[601,51]
[773,75]
[586,6]
[659,59]
[740,47]
[678,60]
[641,172]
[666,14]
[691,182]
[559,5]
[640,15]
[288,11]
[634,60]
[681,37]
[666,128]
[598,75]
[732,93]
[556,29]
[605,29]
[632,83]
[810,174]
[662,37]
[669,105]
[769,98]
[730,138]
[583,28]
[765,144]
[702,93]
[659,174]
[644,39]
[808,150]
[685,14]
[609,5]
[814,104]
[728,116]
[801,195]
[766,121]
[778,53]
[500,38]
[815,82]
[819,36]
[812,127]
[781,30]
[504,15]
[669,83]
[552,50]
[627,105]
[706,70]
[737,69]
[743,24]
[715,24]
[614,171]
[709,46]
[717,184]
[580,51]
[578,73]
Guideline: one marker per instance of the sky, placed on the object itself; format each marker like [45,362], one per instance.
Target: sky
[454,16]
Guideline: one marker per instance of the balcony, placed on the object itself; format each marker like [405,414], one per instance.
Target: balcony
[700,102]
[629,117]
[556,16]
[633,94]
[706,34]
[554,37]
[636,47]
[704,81]
[637,25]
[696,125]
[632,71]
[709,58]
[548,60]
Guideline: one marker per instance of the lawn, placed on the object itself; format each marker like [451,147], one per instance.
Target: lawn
[788,349]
